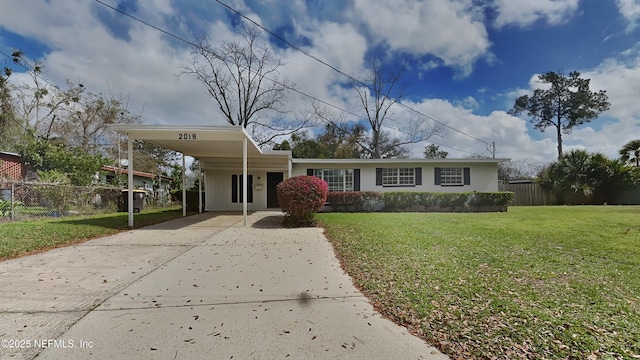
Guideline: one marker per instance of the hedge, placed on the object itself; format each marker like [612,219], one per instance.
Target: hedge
[368,201]
[355,201]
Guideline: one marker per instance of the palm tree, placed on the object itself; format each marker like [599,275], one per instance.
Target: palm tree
[632,148]
[588,177]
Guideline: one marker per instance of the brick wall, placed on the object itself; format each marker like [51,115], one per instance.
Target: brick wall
[11,166]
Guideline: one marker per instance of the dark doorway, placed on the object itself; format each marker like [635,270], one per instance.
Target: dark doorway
[273,179]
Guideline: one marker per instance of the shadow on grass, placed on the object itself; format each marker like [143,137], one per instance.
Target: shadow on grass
[120,221]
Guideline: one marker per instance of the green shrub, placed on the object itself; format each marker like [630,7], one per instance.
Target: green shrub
[7,205]
[300,197]
[355,201]
[491,198]
[431,201]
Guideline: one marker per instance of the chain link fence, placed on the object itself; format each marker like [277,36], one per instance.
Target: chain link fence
[21,200]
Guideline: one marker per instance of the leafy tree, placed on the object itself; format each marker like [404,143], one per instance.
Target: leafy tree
[303,147]
[242,78]
[330,144]
[566,104]
[176,174]
[40,155]
[151,158]
[630,152]
[194,179]
[284,145]
[433,151]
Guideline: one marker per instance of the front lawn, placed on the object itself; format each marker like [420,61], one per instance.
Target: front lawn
[20,238]
[533,283]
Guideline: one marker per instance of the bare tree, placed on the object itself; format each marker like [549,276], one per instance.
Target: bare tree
[244,81]
[88,125]
[40,104]
[387,137]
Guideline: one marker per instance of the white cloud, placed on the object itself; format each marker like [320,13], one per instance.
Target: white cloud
[630,9]
[508,132]
[607,140]
[450,30]
[525,12]
[621,80]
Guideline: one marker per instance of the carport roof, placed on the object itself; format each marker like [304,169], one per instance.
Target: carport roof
[200,141]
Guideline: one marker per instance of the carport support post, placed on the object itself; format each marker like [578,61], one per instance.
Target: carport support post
[244,181]
[199,186]
[184,189]
[130,179]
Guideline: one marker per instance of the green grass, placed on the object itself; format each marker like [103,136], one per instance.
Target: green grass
[20,238]
[534,282]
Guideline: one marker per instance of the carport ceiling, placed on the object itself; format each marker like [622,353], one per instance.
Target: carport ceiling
[196,141]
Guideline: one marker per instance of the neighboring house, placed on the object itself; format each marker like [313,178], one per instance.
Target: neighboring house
[141,180]
[222,150]
[11,166]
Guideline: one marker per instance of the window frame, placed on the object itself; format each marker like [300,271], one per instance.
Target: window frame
[446,179]
[347,176]
[400,176]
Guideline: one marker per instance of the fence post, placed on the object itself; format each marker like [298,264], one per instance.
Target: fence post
[13,199]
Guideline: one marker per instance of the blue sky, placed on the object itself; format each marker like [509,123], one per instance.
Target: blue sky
[467,60]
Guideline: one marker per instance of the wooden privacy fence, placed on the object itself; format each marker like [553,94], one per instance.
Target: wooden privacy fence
[527,194]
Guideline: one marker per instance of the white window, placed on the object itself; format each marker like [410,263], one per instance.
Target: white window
[451,176]
[398,176]
[337,179]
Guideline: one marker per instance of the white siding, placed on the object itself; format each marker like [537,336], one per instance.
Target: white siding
[218,191]
[484,176]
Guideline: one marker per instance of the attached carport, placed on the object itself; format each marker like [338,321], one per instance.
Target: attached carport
[213,146]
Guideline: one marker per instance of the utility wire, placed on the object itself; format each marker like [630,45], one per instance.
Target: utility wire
[148,24]
[28,68]
[352,78]
[191,43]
[10,113]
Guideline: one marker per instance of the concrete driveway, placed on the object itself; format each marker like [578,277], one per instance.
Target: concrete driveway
[201,287]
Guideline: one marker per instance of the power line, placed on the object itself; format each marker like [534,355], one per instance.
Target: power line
[352,78]
[10,113]
[28,68]
[148,24]
[188,42]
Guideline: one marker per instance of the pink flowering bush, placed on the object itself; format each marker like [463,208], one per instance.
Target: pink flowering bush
[301,197]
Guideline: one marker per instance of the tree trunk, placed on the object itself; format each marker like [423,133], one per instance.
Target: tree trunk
[559,141]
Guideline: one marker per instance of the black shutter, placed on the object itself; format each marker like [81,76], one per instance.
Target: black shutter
[310,172]
[418,175]
[356,179]
[378,176]
[467,176]
[250,189]
[437,179]
[234,188]
[241,197]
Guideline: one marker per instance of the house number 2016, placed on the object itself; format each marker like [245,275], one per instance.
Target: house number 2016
[186,136]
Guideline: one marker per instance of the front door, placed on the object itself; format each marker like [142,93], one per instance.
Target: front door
[273,179]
